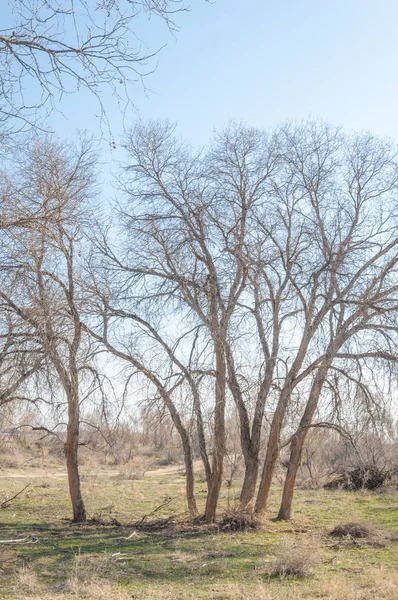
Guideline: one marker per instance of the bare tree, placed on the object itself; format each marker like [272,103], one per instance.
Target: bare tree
[345,280]
[185,237]
[332,361]
[253,273]
[263,231]
[54,181]
[243,164]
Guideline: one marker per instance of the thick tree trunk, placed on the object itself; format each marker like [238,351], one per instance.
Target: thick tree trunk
[214,491]
[271,456]
[296,449]
[297,443]
[276,427]
[190,478]
[252,457]
[219,435]
[71,452]
[268,472]
[249,436]
[249,482]
[201,434]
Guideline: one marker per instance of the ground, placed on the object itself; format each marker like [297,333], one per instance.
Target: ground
[102,560]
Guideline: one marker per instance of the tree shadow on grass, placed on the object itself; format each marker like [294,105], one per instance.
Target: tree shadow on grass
[117,552]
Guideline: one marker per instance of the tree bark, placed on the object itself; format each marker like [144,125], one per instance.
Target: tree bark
[277,422]
[245,433]
[249,481]
[219,434]
[252,458]
[190,478]
[272,454]
[201,433]
[297,444]
[71,452]
[268,469]
[250,437]
[296,449]
[214,490]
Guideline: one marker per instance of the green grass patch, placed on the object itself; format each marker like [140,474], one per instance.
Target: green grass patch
[65,561]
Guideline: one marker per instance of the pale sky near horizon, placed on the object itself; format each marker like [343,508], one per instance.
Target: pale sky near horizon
[264,62]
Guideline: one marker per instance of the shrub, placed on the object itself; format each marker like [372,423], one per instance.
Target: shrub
[130,475]
[238,519]
[355,530]
[369,477]
[293,562]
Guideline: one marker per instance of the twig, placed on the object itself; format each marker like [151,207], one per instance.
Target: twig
[165,503]
[4,503]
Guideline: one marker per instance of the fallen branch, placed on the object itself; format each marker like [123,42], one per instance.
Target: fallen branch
[154,525]
[32,540]
[7,501]
[165,503]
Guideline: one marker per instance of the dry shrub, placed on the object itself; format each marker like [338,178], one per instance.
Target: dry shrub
[355,530]
[170,457]
[294,561]
[27,581]
[368,477]
[12,455]
[11,462]
[130,475]
[375,583]
[237,518]
[87,569]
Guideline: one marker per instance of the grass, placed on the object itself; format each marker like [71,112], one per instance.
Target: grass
[94,562]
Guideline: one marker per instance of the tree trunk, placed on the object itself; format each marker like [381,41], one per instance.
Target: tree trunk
[268,471]
[272,455]
[71,452]
[214,492]
[190,478]
[276,427]
[297,443]
[252,458]
[219,435]
[244,427]
[249,482]
[201,433]
[296,449]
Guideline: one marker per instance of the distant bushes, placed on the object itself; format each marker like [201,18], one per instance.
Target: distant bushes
[369,477]
[360,460]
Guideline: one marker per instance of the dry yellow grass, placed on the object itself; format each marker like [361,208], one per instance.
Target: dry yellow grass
[375,584]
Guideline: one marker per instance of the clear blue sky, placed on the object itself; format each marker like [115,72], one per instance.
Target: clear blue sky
[263,62]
